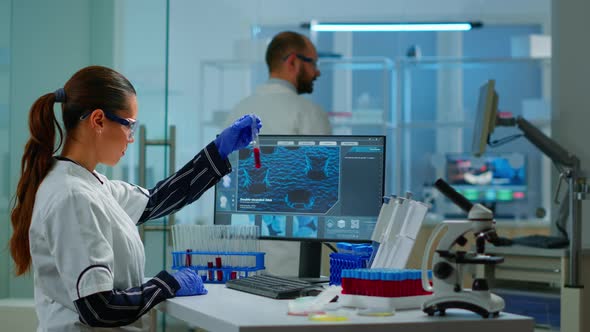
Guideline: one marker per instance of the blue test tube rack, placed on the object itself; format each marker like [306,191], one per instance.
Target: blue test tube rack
[181,258]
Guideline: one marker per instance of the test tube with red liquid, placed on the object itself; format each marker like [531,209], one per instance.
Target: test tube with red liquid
[255,144]
[219,265]
[188,260]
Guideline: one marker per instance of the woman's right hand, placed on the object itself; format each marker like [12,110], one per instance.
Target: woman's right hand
[238,135]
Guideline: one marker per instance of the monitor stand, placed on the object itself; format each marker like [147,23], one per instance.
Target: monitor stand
[310,262]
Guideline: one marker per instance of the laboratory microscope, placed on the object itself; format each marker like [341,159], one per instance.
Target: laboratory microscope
[448,264]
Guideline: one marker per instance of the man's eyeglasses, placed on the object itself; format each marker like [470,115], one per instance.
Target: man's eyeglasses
[129,123]
[314,63]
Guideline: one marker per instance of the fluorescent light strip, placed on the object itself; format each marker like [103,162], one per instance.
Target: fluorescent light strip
[334,27]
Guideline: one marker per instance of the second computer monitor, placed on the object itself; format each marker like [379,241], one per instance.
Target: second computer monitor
[491,178]
[309,188]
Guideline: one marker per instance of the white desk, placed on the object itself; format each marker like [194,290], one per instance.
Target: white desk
[227,310]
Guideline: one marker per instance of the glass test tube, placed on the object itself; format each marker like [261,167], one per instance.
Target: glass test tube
[255,144]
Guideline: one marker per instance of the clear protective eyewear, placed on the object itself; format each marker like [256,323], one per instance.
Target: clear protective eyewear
[314,63]
[129,123]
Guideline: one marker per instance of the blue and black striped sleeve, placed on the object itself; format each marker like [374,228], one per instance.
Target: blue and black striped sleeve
[123,307]
[186,185]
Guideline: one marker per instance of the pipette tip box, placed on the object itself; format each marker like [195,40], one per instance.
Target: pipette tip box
[339,262]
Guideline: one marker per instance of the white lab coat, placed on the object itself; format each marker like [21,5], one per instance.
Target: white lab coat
[79,223]
[283,112]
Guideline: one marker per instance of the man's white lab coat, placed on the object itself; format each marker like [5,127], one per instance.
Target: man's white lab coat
[283,111]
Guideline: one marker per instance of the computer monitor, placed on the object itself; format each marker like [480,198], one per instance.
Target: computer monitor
[493,178]
[309,189]
[485,117]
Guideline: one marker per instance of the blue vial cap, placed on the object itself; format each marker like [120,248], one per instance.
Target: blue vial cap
[344,274]
[357,274]
[387,275]
[374,275]
[365,274]
[405,275]
[417,274]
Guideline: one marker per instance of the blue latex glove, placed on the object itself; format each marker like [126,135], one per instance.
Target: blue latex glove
[238,135]
[190,283]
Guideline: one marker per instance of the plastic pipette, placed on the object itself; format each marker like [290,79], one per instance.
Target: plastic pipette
[256,144]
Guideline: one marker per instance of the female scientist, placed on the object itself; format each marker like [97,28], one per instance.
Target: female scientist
[78,229]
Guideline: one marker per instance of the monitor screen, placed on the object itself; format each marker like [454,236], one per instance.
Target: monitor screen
[485,117]
[308,188]
[491,178]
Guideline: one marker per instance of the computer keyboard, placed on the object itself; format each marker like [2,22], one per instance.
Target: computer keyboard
[541,241]
[270,286]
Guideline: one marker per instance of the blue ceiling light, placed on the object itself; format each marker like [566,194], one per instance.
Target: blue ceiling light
[365,27]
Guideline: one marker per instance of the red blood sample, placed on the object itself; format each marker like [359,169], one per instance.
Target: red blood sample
[210,273]
[257,157]
[188,260]
[219,265]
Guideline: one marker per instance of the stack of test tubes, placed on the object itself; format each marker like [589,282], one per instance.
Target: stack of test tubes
[383,282]
[218,253]
[349,256]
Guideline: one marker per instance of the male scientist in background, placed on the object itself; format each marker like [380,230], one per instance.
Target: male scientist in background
[292,62]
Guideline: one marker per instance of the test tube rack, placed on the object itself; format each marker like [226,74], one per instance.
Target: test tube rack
[215,271]
[383,288]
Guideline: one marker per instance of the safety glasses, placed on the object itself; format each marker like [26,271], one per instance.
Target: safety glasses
[129,123]
[314,63]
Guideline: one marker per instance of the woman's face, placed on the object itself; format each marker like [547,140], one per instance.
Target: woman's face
[115,137]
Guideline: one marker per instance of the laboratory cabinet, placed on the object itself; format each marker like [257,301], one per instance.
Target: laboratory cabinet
[531,281]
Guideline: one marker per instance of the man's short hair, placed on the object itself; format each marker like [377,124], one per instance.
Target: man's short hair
[282,45]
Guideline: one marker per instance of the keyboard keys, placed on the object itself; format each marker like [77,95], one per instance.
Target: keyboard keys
[270,286]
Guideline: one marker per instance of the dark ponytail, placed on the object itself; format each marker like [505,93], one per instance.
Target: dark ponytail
[36,163]
[90,88]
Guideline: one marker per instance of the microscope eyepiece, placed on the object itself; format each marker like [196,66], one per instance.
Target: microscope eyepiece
[453,195]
